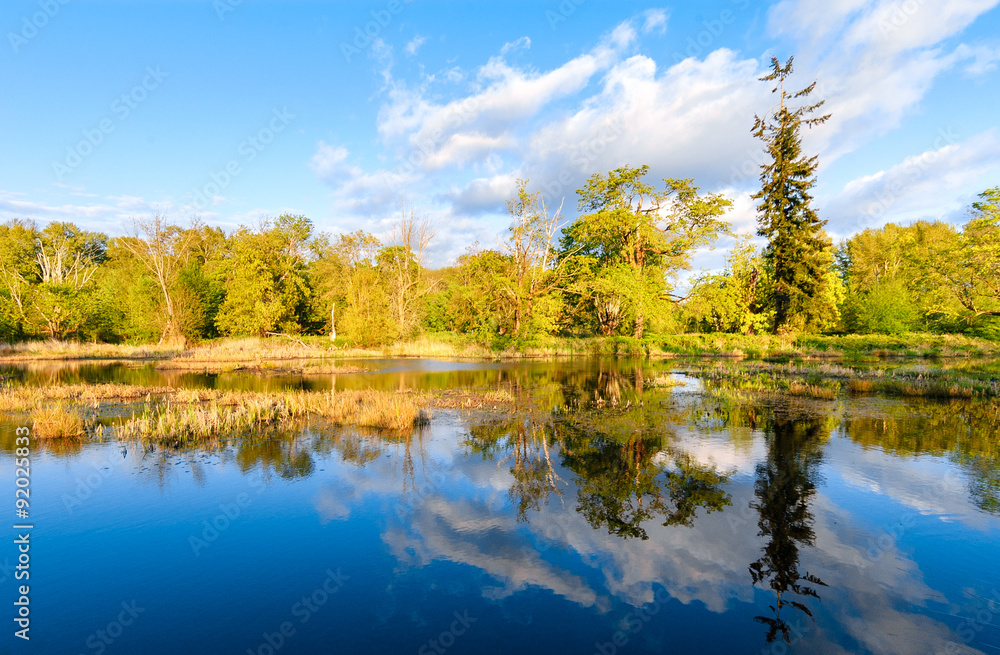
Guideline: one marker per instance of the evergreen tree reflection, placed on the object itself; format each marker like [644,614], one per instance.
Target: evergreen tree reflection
[785,483]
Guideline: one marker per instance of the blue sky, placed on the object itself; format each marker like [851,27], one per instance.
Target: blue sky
[233,111]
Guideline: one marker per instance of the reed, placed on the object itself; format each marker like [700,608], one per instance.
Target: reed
[24,399]
[812,390]
[860,386]
[56,422]
[201,415]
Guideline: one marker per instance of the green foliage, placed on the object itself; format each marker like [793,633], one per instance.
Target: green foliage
[968,267]
[265,279]
[892,280]
[367,319]
[884,308]
[633,242]
[740,300]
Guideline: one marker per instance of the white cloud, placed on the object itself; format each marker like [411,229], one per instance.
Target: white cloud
[655,21]
[874,62]
[932,185]
[455,151]
[522,43]
[984,59]
[330,163]
[414,44]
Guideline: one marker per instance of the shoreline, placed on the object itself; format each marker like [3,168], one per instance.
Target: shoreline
[260,352]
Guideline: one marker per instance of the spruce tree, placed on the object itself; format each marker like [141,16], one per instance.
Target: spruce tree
[798,251]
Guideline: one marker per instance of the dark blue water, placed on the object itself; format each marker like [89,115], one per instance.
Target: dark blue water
[688,524]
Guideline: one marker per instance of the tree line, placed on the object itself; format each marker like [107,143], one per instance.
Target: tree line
[613,270]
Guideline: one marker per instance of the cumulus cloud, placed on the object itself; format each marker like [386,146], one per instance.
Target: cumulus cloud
[931,185]
[655,21]
[874,61]
[455,142]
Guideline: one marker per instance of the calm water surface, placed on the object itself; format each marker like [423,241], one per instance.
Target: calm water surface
[604,515]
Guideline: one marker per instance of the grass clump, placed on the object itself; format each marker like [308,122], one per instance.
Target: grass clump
[200,415]
[56,422]
[812,390]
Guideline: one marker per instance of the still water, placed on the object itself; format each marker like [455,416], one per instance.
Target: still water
[620,508]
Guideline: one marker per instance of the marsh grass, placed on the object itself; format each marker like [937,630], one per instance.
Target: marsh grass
[957,388]
[182,416]
[23,399]
[191,416]
[42,350]
[665,382]
[56,422]
[812,390]
[473,399]
[254,351]
[826,380]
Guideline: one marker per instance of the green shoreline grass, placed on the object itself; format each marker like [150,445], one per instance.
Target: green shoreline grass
[272,353]
[827,380]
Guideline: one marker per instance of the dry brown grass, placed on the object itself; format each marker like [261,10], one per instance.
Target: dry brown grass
[56,422]
[472,399]
[57,350]
[188,415]
[21,399]
[858,385]
[192,415]
[372,409]
[664,382]
[812,390]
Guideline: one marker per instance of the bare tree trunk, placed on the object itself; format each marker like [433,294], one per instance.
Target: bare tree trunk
[333,324]
[640,324]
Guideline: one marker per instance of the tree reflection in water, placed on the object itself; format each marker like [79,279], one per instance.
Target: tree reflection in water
[621,451]
[785,483]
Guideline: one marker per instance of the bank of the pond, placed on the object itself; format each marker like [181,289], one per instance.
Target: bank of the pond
[828,380]
[315,354]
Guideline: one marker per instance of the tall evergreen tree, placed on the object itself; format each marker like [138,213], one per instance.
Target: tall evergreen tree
[798,250]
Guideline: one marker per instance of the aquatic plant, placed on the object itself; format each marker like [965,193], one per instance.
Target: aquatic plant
[56,422]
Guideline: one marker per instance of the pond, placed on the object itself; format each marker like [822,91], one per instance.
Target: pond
[617,507]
